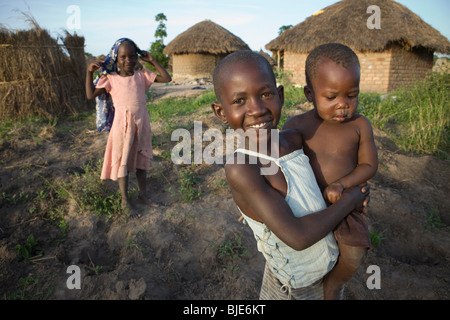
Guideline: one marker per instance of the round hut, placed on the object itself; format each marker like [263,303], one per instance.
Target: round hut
[196,52]
[394,45]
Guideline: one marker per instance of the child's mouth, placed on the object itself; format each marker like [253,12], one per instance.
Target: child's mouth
[258,125]
[341,117]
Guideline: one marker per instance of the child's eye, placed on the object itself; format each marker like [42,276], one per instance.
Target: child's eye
[238,101]
[267,94]
[331,98]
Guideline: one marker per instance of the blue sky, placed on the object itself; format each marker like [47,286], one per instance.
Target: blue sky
[255,21]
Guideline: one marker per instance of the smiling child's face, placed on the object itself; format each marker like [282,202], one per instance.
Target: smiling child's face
[334,91]
[249,98]
[126,58]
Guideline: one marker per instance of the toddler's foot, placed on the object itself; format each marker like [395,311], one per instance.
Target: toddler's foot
[148,202]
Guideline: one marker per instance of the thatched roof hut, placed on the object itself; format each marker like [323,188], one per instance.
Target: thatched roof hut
[39,76]
[196,52]
[394,55]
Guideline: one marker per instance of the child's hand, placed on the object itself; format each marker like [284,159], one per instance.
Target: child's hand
[145,56]
[95,66]
[333,192]
[360,196]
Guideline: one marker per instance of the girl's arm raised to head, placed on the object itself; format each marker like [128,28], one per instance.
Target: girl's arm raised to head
[91,91]
[163,75]
[252,192]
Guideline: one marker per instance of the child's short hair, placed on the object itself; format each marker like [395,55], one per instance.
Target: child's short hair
[336,52]
[133,44]
[239,56]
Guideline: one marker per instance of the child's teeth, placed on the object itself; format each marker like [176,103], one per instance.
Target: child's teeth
[258,125]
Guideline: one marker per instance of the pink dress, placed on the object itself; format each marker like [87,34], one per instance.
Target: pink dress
[129,145]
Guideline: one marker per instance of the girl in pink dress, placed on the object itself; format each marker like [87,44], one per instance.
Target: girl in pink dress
[129,146]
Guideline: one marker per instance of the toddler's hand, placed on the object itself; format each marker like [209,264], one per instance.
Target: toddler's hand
[333,192]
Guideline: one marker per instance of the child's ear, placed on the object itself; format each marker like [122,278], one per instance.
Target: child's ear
[280,90]
[218,112]
[308,93]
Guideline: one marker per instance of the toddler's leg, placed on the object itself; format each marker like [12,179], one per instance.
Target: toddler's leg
[141,176]
[348,262]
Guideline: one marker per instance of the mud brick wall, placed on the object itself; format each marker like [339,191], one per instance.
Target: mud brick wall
[193,66]
[294,67]
[374,71]
[381,72]
[408,66]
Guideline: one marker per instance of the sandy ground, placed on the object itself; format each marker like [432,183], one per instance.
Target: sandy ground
[171,252]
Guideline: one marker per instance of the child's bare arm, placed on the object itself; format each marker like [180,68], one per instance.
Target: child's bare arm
[252,194]
[367,163]
[163,75]
[91,91]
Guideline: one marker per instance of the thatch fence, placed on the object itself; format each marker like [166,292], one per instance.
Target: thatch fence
[40,77]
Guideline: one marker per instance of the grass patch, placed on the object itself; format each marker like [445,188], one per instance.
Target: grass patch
[416,118]
[188,182]
[230,251]
[167,108]
[86,190]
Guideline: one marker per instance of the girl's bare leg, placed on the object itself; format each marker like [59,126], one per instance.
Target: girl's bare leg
[141,176]
[126,206]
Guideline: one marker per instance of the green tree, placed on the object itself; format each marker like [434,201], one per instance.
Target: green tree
[284,28]
[157,47]
[161,32]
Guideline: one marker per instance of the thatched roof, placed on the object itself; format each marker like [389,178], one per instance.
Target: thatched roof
[346,22]
[205,37]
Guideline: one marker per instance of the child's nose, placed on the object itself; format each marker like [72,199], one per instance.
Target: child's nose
[255,107]
[343,103]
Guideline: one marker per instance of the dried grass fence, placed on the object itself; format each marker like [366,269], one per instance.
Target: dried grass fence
[37,76]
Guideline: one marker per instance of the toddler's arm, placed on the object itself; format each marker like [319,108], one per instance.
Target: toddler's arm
[367,163]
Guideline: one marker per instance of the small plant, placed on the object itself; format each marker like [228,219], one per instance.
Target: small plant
[376,238]
[433,220]
[229,251]
[95,268]
[188,184]
[27,249]
[25,285]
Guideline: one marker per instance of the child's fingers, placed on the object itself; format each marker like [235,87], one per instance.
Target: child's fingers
[365,204]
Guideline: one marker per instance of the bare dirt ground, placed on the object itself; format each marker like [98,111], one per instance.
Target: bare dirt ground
[172,252]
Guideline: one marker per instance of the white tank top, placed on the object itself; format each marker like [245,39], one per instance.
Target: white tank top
[296,269]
